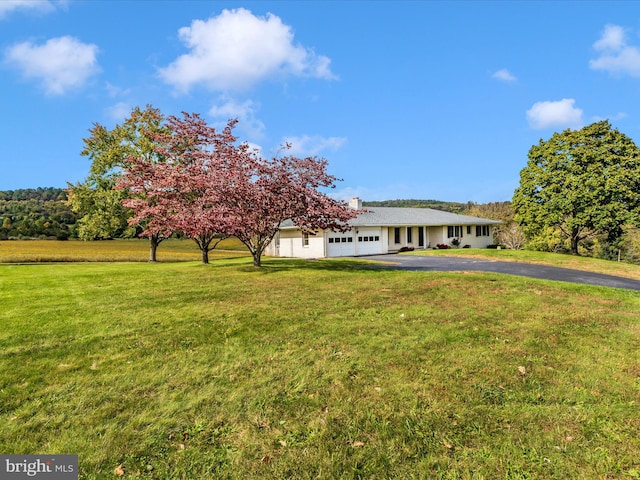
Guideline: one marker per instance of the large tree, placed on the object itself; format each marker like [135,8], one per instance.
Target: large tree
[583,183]
[266,192]
[95,198]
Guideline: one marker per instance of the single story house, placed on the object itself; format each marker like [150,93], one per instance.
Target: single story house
[381,230]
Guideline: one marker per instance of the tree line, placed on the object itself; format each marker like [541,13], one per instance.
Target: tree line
[36,213]
[453,207]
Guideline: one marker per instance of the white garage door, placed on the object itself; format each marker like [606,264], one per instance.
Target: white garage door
[369,241]
[340,244]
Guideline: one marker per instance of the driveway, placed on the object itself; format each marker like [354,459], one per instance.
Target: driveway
[420,263]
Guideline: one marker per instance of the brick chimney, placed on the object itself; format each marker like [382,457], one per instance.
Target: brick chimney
[355,203]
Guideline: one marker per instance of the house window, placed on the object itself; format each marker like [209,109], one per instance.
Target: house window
[305,239]
[468,229]
[409,234]
[454,231]
[396,235]
[377,238]
[482,230]
[330,239]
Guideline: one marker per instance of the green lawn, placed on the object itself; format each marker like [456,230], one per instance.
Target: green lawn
[317,369]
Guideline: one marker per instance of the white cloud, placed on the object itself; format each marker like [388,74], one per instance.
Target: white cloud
[115,91]
[504,75]
[119,111]
[38,6]
[60,64]
[561,114]
[245,112]
[237,49]
[612,38]
[311,145]
[617,116]
[616,56]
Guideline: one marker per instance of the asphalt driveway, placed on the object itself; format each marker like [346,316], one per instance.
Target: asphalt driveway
[419,263]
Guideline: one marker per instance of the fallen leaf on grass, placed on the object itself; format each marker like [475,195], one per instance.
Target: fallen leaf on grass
[266,459]
[357,443]
[119,470]
[522,370]
[283,443]
[447,444]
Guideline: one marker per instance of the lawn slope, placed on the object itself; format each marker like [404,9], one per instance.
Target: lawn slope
[318,369]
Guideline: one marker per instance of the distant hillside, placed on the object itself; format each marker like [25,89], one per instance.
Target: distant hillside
[453,207]
[35,213]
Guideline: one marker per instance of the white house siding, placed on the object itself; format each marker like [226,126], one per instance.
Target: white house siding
[291,244]
[396,242]
[436,235]
[416,236]
[476,236]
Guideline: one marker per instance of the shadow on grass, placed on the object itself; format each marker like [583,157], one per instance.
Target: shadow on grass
[273,265]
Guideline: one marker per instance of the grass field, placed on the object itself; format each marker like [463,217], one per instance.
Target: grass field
[317,369]
[134,250]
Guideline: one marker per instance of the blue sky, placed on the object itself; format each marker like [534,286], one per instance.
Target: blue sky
[405,99]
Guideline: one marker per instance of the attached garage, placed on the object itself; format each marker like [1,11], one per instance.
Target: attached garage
[340,244]
[369,241]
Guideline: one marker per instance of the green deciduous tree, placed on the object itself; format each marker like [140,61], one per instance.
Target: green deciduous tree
[583,183]
[96,199]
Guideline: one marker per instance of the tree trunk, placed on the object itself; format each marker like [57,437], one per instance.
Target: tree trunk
[205,256]
[574,245]
[257,260]
[153,248]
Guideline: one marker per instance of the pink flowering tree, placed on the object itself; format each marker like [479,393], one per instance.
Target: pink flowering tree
[267,192]
[209,187]
[182,194]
